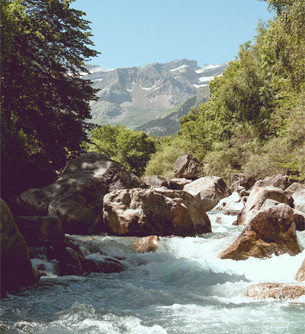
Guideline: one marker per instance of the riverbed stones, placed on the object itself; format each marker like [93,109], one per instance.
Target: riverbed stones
[187,166]
[209,190]
[178,183]
[144,212]
[275,291]
[148,244]
[271,230]
[16,266]
[256,199]
[242,181]
[106,266]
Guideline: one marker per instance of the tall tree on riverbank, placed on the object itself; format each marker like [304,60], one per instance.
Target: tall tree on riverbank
[44,100]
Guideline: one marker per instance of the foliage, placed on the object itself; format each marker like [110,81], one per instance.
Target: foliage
[44,100]
[130,148]
[254,120]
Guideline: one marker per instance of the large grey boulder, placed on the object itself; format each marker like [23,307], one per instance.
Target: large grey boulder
[187,166]
[233,204]
[209,190]
[16,266]
[77,196]
[271,230]
[241,181]
[256,199]
[143,212]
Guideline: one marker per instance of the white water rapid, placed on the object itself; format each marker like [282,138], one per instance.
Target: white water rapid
[182,288]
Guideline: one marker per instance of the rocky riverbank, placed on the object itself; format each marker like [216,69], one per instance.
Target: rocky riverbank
[97,195]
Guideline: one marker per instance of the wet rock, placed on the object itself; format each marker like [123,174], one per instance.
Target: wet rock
[270,231]
[209,190]
[300,275]
[39,231]
[256,199]
[155,181]
[278,181]
[232,204]
[275,291]
[178,183]
[241,181]
[69,258]
[299,219]
[187,166]
[16,266]
[147,245]
[143,212]
[106,266]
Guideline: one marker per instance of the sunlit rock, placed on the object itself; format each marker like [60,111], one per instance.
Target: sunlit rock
[188,167]
[275,291]
[256,199]
[147,245]
[271,230]
[160,211]
[300,275]
[209,190]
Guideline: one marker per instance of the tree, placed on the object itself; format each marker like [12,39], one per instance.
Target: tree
[131,148]
[44,100]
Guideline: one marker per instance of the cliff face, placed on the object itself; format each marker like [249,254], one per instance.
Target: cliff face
[137,95]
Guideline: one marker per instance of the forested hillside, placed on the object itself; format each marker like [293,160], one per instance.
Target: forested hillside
[254,120]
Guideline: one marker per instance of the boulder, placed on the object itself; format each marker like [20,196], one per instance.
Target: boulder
[155,181]
[300,275]
[278,181]
[143,212]
[241,181]
[256,199]
[40,231]
[231,204]
[147,245]
[16,266]
[106,266]
[299,219]
[275,291]
[270,231]
[69,258]
[178,183]
[209,190]
[299,200]
[77,195]
[35,201]
[187,166]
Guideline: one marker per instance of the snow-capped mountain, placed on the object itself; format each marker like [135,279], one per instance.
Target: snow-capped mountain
[137,95]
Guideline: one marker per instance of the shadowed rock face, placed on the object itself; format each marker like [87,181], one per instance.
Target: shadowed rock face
[143,212]
[16,267]
[275,291]
[270,231]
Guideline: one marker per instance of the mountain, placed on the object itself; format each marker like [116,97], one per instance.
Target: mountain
[169,123]
[137,95]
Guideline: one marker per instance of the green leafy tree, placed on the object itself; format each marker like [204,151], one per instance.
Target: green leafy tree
[130,148]
[44,100]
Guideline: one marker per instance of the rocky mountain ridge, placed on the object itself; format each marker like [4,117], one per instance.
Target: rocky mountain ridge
[134,96]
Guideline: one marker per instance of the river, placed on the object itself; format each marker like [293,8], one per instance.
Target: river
[181,288]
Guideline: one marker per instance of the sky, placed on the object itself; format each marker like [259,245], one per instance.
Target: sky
[132,33]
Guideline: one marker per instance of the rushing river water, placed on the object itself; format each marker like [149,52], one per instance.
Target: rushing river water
[182,288]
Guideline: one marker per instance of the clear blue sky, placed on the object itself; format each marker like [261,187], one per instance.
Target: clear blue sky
[139,32]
